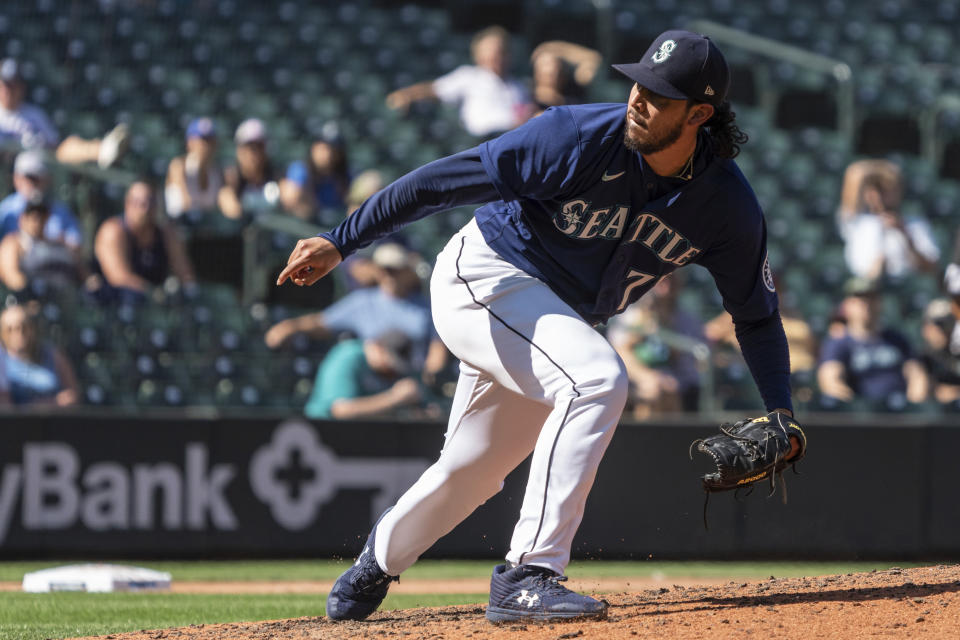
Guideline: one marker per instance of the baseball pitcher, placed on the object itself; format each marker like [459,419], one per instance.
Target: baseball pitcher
[584,209]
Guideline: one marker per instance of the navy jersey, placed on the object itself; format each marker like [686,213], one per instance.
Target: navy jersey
[567,202]
[874,365]
[585,214]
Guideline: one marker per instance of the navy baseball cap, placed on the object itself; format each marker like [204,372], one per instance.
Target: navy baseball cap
[201,128]
[10,71]
[682,65]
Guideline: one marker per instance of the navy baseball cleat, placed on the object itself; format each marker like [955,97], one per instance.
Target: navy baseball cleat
[360,589]
[530,593]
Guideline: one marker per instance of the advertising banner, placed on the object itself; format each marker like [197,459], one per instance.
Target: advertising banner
[108,487]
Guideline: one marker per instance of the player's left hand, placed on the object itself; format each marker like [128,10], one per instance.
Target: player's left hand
[752,450]
[309,261]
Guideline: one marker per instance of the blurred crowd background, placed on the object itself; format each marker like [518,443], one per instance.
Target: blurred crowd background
[160,158]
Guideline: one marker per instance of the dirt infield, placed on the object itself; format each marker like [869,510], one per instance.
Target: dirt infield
[908,603]
[456,585]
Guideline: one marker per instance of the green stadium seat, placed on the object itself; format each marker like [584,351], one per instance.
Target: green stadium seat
[300,64]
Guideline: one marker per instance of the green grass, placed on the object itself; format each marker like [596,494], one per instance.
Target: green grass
[37,616]
[452,569]
[27,616]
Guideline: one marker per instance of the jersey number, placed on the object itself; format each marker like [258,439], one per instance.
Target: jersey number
[634,279]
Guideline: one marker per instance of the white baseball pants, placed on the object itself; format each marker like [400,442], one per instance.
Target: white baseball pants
[534,377]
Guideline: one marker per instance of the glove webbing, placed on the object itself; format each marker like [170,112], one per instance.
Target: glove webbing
[725,429]
[736,492]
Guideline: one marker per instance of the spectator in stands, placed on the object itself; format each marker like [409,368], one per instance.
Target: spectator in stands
[880,241]
[491,102]
[394,304]
[358,268]
[363,378]
[801,340]
[27,258]
[941,336]
[561,73]
[941,355]
[27,126]
[319,182]
[656,340]
[37,372]
[362,187]
[868,362]
[194,180]
[135,252]
[31,178]
[251,184]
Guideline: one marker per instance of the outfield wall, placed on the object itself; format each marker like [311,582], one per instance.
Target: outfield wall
[112,486]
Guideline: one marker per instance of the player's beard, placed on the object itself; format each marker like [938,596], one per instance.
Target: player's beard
[653,143]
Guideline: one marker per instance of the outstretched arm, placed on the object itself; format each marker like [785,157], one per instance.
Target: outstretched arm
[401,99]
[831,378]
[309,261]
[403,392]
[310,324]
[918,383]
[764,347]
[443,184]
[585,61]
[10,273]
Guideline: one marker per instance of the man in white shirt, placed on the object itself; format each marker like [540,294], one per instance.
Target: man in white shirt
[29,126]
[490,101]
[880,241]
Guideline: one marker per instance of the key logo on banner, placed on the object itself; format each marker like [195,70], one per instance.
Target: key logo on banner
[295,475]
[57,486]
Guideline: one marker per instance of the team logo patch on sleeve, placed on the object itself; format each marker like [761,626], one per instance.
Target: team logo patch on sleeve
[768,275]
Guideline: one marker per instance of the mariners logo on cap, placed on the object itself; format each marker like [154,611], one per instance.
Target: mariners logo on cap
[666,48]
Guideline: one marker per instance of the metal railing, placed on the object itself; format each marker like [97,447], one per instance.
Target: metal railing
[256,278]
[837,69]
[931,143]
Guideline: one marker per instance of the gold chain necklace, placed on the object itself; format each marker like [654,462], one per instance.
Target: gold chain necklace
[687,171]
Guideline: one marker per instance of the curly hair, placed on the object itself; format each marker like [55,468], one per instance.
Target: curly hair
[724,132]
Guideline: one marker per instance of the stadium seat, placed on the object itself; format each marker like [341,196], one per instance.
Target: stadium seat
[882,134]
[300,64]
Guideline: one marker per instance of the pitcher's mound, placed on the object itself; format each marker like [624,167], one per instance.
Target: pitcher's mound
[907,603]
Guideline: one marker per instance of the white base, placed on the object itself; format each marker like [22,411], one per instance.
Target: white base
[95,578]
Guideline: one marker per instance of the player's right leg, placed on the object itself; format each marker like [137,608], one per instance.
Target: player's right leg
[517,331]
[360,589]
[485,440]
[514,395]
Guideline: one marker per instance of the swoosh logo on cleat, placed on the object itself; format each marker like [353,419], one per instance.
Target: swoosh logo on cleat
[606,177]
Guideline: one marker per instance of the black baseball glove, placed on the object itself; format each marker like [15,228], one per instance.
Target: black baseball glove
[750,451]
